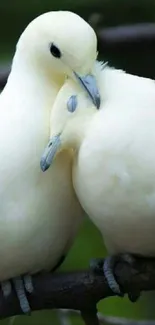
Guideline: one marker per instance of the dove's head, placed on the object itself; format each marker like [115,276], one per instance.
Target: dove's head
[71,115]
[61,43]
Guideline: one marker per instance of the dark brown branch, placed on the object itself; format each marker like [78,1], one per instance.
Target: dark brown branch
[127,34]
[90,316]
[81,290]
[110,320]
[4,72]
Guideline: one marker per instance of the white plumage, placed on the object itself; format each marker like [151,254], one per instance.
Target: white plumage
[115,173]
[39,213]
[114,168]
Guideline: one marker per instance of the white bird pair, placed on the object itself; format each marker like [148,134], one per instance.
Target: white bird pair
[110,151]
[114,160]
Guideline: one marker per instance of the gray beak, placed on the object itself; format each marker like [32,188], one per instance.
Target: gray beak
[88,82]
[50,152]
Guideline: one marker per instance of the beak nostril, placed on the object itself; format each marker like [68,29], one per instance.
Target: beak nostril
[49,144]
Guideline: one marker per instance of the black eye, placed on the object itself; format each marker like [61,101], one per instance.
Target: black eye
[55,51]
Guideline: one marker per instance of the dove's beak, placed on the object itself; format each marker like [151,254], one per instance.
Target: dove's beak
[50,152]
[88,82]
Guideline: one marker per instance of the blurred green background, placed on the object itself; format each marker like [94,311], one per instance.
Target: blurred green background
[137,59]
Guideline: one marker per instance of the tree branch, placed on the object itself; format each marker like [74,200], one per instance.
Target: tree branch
[126,34]
[81,290]
[110,320]
[4,72]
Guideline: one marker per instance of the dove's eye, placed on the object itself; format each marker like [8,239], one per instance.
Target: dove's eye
[72,103]
[55,51]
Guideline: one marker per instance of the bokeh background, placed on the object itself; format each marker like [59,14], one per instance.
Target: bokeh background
[124,44]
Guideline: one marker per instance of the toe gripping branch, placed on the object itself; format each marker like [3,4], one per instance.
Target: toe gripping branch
[21,285]
[108,265]
[82,290]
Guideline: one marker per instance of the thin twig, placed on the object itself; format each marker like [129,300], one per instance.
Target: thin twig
[127,34]
[64,318]
[4,72]
[111,320]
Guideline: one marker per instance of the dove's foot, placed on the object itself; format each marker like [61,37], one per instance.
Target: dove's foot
[21,285]
[108,267]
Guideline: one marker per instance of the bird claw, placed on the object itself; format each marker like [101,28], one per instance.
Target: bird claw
[108,269]
[28,283]
[107,266]
[6,288]
[21,284]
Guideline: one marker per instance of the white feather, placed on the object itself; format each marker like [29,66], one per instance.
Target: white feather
[114,168]
[39,212]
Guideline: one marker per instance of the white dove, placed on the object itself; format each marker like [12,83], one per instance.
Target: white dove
[39,213]
[114,165]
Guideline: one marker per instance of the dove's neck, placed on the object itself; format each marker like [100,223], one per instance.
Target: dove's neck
[32,85]
[78,131]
